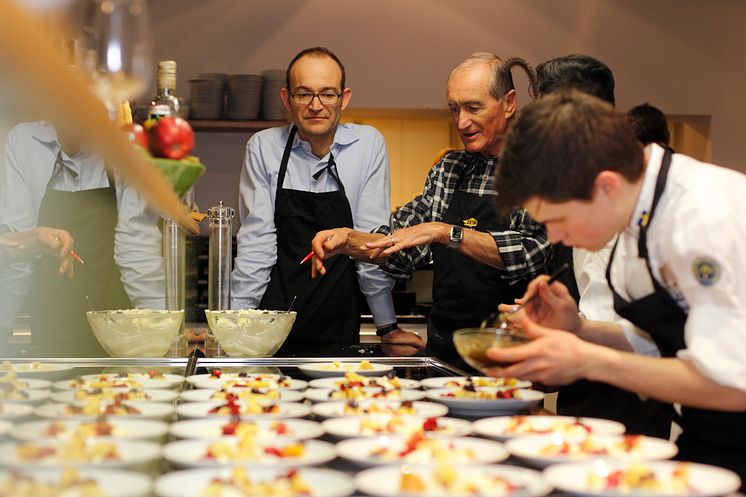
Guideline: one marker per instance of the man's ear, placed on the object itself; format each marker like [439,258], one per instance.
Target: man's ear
[608,183]
[285,97]
[509,100]
[346,96]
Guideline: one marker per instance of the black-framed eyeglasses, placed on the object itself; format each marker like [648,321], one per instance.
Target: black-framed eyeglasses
[305,97]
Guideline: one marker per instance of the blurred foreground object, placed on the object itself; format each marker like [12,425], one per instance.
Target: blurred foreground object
[41,76]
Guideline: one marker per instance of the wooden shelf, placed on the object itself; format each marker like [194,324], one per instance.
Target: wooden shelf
[233,126]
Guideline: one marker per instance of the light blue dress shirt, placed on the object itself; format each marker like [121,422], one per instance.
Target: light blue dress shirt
[30,153]
[363,165]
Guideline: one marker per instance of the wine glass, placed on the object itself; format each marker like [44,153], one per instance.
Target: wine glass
[116,49]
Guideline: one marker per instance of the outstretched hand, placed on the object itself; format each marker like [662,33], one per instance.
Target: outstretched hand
[419,234]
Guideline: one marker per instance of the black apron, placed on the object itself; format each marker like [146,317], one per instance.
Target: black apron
[57,304]
[328,317]
[464,290]
[710,437]
[600,400]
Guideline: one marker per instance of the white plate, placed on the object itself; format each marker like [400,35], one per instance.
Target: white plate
[10,411]
[201,410]
[191,453]
[335,382]
[148,410]
[164,381]
[68,396]
[375,425]
[211,428]
[482,407]
[133,454]
[497,427]
[327,369]
[124,429]
[459,451]
[532,449]
[705,481]
[5,427]
[37,369]
[328,395]
[252,380]
[113,482]
[338,408]
[385,482]
[193,482]
[207,394]
[33,397]
[34,383]
[480,381]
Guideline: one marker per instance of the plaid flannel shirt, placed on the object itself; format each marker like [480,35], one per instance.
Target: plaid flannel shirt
[524,247]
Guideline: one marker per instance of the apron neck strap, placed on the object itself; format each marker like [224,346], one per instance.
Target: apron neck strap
[286,157]
[60,166]
[331,165]
[660,185]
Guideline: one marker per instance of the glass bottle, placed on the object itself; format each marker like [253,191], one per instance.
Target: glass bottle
[165,102]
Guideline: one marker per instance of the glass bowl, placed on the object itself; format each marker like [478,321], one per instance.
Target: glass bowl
[136,332]
[472,345]
[250,332]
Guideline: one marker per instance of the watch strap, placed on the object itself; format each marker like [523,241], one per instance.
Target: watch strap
[386,329]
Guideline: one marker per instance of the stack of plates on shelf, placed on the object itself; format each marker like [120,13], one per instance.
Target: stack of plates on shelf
[244,93]
[206,96]
[272,108]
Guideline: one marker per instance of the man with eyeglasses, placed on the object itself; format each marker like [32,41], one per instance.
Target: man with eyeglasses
[479,259]
[299,179]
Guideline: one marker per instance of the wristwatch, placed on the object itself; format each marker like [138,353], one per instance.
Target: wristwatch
[456,235]
[386,329]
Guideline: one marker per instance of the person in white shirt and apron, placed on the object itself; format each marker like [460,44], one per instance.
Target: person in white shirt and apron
[51,179]
[681,282]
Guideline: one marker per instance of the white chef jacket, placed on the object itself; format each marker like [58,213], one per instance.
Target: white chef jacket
[699,224]
[363,165]
[596,299]
[30,153]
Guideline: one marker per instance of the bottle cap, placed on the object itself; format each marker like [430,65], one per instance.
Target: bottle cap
[167,74]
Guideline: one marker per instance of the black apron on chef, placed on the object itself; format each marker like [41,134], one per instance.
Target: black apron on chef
[596,399]
[57,304]
[327,307]
[711,437]
[464,290]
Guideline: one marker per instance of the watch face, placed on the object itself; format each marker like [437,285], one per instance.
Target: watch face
[457,233]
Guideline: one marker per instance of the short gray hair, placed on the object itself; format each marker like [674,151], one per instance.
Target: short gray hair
[501,79]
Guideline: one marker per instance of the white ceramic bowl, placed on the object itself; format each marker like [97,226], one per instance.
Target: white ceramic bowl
[136,332]
[250,332]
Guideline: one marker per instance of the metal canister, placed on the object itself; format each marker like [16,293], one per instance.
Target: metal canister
[220,257]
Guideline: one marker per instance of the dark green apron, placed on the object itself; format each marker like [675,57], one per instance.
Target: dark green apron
[57,304]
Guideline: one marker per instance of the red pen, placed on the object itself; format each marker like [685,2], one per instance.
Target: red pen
[307,258]
[75,256]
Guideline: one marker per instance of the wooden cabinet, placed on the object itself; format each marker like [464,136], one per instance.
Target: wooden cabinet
[415,140]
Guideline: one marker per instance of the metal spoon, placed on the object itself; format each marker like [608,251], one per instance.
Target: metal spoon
[503,316]
[89,303]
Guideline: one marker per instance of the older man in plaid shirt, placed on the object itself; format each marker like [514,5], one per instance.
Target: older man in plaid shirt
[480,259]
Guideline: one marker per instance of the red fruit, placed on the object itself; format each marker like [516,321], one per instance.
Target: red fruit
[136,134]
[171,137]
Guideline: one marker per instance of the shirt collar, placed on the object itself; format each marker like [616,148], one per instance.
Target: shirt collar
[46,134]
[645,198]
[342,137]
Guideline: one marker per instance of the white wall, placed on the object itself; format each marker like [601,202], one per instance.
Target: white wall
[684,56]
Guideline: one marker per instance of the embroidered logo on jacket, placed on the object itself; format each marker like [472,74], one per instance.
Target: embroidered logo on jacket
[706,270]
